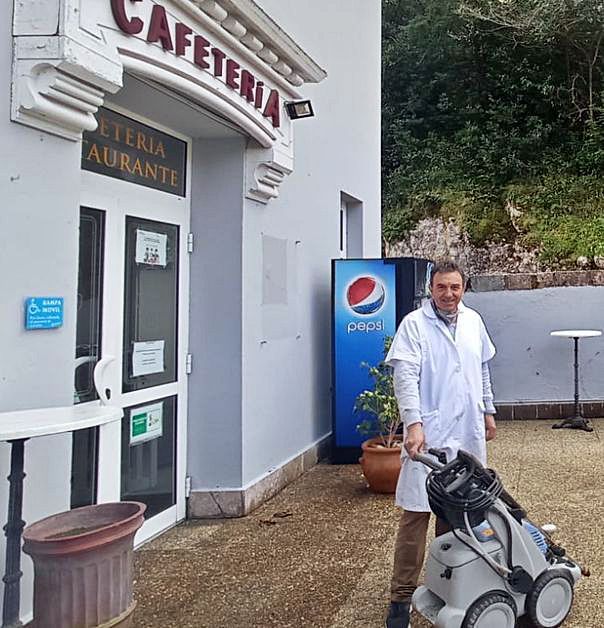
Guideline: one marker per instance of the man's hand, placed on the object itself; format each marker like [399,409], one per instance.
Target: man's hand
[414,441]
[490,427]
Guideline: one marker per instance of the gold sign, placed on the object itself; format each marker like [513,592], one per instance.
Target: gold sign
[125,149]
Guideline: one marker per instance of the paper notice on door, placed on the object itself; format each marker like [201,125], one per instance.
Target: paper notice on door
[151,248]
[146,423]
[148,357]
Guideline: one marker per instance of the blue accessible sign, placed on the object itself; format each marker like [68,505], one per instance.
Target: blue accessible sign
[43,312]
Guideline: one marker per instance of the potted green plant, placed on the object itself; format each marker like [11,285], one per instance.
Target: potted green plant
[381,459]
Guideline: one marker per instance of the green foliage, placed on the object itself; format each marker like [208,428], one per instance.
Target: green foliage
[565,216]
[571,236]
[484,100]
[379,403]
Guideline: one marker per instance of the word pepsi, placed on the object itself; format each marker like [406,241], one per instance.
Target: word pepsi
[365,326]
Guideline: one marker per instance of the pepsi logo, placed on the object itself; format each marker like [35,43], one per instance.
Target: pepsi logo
[365,295]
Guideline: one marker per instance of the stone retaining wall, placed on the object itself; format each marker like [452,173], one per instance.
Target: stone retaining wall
[534,281]
[549,411]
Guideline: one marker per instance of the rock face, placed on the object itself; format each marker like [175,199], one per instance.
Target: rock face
[433,238]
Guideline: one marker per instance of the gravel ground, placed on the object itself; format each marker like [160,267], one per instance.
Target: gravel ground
[319,554]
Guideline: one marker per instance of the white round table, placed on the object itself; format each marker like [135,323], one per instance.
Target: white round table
[577,422]
[15,428]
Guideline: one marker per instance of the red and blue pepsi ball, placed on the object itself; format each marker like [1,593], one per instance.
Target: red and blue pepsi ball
[365,295]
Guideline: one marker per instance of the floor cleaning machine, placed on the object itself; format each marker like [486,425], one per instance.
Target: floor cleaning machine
[495,565]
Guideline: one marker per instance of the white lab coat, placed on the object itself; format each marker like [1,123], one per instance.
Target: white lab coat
[450,390]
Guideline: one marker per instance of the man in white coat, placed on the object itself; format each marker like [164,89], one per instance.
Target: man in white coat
[439,356]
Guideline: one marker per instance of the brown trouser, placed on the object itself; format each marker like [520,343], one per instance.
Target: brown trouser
[409,552]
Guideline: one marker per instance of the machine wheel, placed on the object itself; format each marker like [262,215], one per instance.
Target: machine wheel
[550,600]
[493,610]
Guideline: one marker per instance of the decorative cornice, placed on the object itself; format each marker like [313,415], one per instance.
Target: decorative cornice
[249,24]
[267,177]
[56,101]
[62,74]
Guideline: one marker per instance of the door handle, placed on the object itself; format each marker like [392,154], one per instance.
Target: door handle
[99,378]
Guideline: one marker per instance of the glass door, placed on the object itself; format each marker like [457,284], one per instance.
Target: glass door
[88,351]
[149,364]
[140,357]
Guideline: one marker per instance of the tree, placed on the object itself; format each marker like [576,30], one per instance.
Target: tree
[491,101]
[575,26]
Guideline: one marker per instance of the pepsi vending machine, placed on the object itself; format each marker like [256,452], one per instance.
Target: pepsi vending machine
[369,299]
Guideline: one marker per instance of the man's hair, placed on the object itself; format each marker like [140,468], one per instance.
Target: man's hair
[447,266]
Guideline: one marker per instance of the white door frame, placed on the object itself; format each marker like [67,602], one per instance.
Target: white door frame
[343,244]
[119,199]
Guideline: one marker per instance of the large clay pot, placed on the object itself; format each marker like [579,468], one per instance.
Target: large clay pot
[381,465]
[83,571]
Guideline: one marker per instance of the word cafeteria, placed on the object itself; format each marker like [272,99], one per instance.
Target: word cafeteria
[205,56]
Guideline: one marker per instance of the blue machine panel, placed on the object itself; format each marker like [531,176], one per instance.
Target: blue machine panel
[364,313]
[369,299]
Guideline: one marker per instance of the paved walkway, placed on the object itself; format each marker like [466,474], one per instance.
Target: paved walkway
[319,553]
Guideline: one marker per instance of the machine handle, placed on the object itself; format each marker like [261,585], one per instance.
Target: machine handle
[439,454]
[428,461]
[463,477]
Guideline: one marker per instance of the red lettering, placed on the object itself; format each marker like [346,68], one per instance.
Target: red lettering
[159,29]
[129,26]
[259,95]
[273,108]
[247,85]
[232,74]
[182,41]
[200,52]
[219,57]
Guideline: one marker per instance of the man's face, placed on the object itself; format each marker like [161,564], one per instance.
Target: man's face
[447,290]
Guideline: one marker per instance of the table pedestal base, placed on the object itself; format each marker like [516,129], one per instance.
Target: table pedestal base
[13,529]
[576,423]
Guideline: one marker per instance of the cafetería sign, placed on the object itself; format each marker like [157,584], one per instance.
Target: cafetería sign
[125,149]
[182,41]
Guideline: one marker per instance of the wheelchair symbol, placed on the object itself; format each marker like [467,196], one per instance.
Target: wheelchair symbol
[32,308]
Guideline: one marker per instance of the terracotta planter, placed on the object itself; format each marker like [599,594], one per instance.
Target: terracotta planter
[83,566]
[381,466]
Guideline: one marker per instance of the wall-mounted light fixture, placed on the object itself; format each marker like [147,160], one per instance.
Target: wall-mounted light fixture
[299,109]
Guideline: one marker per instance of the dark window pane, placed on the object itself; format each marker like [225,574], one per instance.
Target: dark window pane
[84,467]
[149,455]
[88,351]
[88,323]
[150,304]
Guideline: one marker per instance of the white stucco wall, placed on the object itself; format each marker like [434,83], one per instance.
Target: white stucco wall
[267,373]
[39,186]
[214,420]
[531,365]
[287,372]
